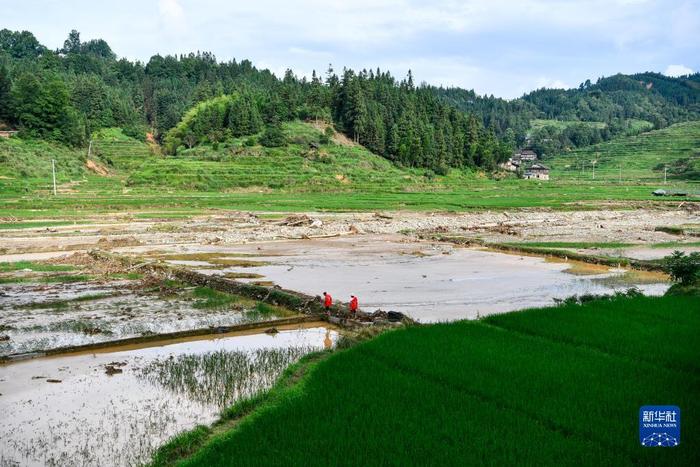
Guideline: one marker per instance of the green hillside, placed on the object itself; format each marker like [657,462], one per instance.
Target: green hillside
[123,164]
[305,174]
[304,164]
[25,166]
[639,158]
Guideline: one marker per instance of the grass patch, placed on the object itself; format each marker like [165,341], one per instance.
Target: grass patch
[243,275]
[551,386]
[669,230]
[216,259]
[35,267]
[213,299]
[47,279]
[573,245]
[61,304]
[180,446]
[238,263]
[675,244]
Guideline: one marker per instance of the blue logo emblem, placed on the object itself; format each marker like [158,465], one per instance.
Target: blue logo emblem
[660,425]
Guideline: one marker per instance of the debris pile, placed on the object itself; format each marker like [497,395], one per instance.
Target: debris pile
[114,368]
[297,221]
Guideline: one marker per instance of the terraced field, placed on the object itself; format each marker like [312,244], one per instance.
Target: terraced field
[289,168]
[304,175]
[635,158]
[538,123]
[124,155]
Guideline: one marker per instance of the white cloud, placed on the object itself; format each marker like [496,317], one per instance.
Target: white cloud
[677,70]
[171,12]
[544,82]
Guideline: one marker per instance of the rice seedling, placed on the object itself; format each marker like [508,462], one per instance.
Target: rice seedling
[551,386]
[222,377]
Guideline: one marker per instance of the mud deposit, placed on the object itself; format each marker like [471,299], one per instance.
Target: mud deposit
[116,407]
[37,317]
[428,281]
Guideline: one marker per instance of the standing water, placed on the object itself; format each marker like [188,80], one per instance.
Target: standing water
[433,281]
[115,407]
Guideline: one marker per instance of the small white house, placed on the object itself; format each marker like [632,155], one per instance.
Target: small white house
[510,165]
[537,171]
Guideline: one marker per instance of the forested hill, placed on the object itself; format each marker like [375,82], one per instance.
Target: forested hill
[67,94]
[555,119]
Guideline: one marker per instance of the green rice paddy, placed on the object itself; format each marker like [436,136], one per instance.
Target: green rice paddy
[551,386]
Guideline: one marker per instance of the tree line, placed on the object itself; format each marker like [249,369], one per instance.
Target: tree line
[68,93]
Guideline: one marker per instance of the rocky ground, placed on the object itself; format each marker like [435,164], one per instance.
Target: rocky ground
[110,232]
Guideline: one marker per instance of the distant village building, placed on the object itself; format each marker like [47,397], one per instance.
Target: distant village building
[537,171]
[7,134]
[520,159]
[525,155]
[525,161]
[510,165]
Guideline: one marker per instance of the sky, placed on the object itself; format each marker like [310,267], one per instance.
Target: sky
[500,47]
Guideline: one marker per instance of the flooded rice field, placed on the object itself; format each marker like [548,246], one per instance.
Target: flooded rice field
[116,406]
[428,281]
[36,317]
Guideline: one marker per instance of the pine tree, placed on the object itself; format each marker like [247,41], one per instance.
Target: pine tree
[5,98]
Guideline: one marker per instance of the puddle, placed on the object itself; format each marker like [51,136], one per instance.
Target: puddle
[89,417]
[40,317]
[430,281]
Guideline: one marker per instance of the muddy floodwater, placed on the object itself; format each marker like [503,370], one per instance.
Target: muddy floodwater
[115,407]
[36,317]
[428,281]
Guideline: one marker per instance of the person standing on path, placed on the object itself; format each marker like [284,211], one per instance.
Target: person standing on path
[353,305]
[327,302]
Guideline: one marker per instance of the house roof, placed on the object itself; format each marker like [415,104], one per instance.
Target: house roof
[538,167]
[526,152]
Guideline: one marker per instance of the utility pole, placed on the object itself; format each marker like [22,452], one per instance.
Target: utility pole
[593,163]
[620,178]
[665,171]
[53,172]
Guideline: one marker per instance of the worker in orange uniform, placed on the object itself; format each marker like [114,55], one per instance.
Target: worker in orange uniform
[353,305]
[327,302]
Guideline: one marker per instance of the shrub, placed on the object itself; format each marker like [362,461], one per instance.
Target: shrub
[273,137]
[683,268]
[327,135]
